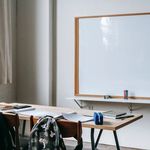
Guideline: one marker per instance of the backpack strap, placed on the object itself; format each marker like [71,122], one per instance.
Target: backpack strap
[61,143]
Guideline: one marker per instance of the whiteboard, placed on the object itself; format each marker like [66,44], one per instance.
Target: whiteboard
[113,55]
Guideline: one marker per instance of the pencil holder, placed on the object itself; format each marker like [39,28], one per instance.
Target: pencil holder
[98,118]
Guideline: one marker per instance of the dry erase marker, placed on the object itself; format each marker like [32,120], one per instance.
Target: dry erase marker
[125,94]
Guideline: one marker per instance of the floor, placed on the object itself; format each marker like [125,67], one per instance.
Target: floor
[86,146]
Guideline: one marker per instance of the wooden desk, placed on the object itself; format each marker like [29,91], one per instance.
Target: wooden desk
[109,124]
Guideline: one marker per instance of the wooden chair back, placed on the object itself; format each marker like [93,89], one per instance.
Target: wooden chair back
[67,128]
[13,122]
[70,129]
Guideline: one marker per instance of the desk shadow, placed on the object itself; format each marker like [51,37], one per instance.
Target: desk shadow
[107,123]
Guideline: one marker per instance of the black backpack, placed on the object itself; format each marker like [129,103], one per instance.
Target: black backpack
[45,135]
[6,135]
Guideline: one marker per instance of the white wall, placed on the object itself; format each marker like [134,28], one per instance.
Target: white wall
[34,51]
[136,135]
[8,92]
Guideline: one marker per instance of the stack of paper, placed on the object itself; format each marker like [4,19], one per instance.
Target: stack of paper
[77,117]
[5,108]
[113,114]
[40,113]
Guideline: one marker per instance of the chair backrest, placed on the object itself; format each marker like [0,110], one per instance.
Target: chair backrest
[13,123]
[67,128]
[70,129]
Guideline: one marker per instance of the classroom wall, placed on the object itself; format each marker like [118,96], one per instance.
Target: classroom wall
[135,135]
[8,91]
[34,47]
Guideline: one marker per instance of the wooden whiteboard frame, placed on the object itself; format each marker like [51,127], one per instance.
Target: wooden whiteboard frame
[76,75]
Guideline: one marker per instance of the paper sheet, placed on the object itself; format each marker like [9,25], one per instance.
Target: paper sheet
[40,113]
[77,117]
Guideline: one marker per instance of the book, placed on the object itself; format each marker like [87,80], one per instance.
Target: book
[21,106]
[113,114]
[125,116]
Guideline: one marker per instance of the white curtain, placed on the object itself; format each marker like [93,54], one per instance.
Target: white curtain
[5,42]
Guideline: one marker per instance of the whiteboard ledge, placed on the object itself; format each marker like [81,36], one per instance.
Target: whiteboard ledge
[110,100]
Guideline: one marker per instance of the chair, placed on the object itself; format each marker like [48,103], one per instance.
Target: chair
[71,129]
[67,129]
[24,140]
[13,123]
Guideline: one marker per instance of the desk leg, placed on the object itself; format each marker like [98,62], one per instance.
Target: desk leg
[93,144]
[98,138]
[92,139]
[116,140]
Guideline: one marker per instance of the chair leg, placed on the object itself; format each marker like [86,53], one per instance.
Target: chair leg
[98,138]
[23,127]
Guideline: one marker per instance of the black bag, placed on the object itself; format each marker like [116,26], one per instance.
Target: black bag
[45,135]
[6,135]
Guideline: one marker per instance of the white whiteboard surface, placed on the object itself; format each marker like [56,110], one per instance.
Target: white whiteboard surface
[114,55]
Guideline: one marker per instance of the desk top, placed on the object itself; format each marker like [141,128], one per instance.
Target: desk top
[112,124]
[109,124]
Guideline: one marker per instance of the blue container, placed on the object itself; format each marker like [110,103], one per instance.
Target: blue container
[98,118]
